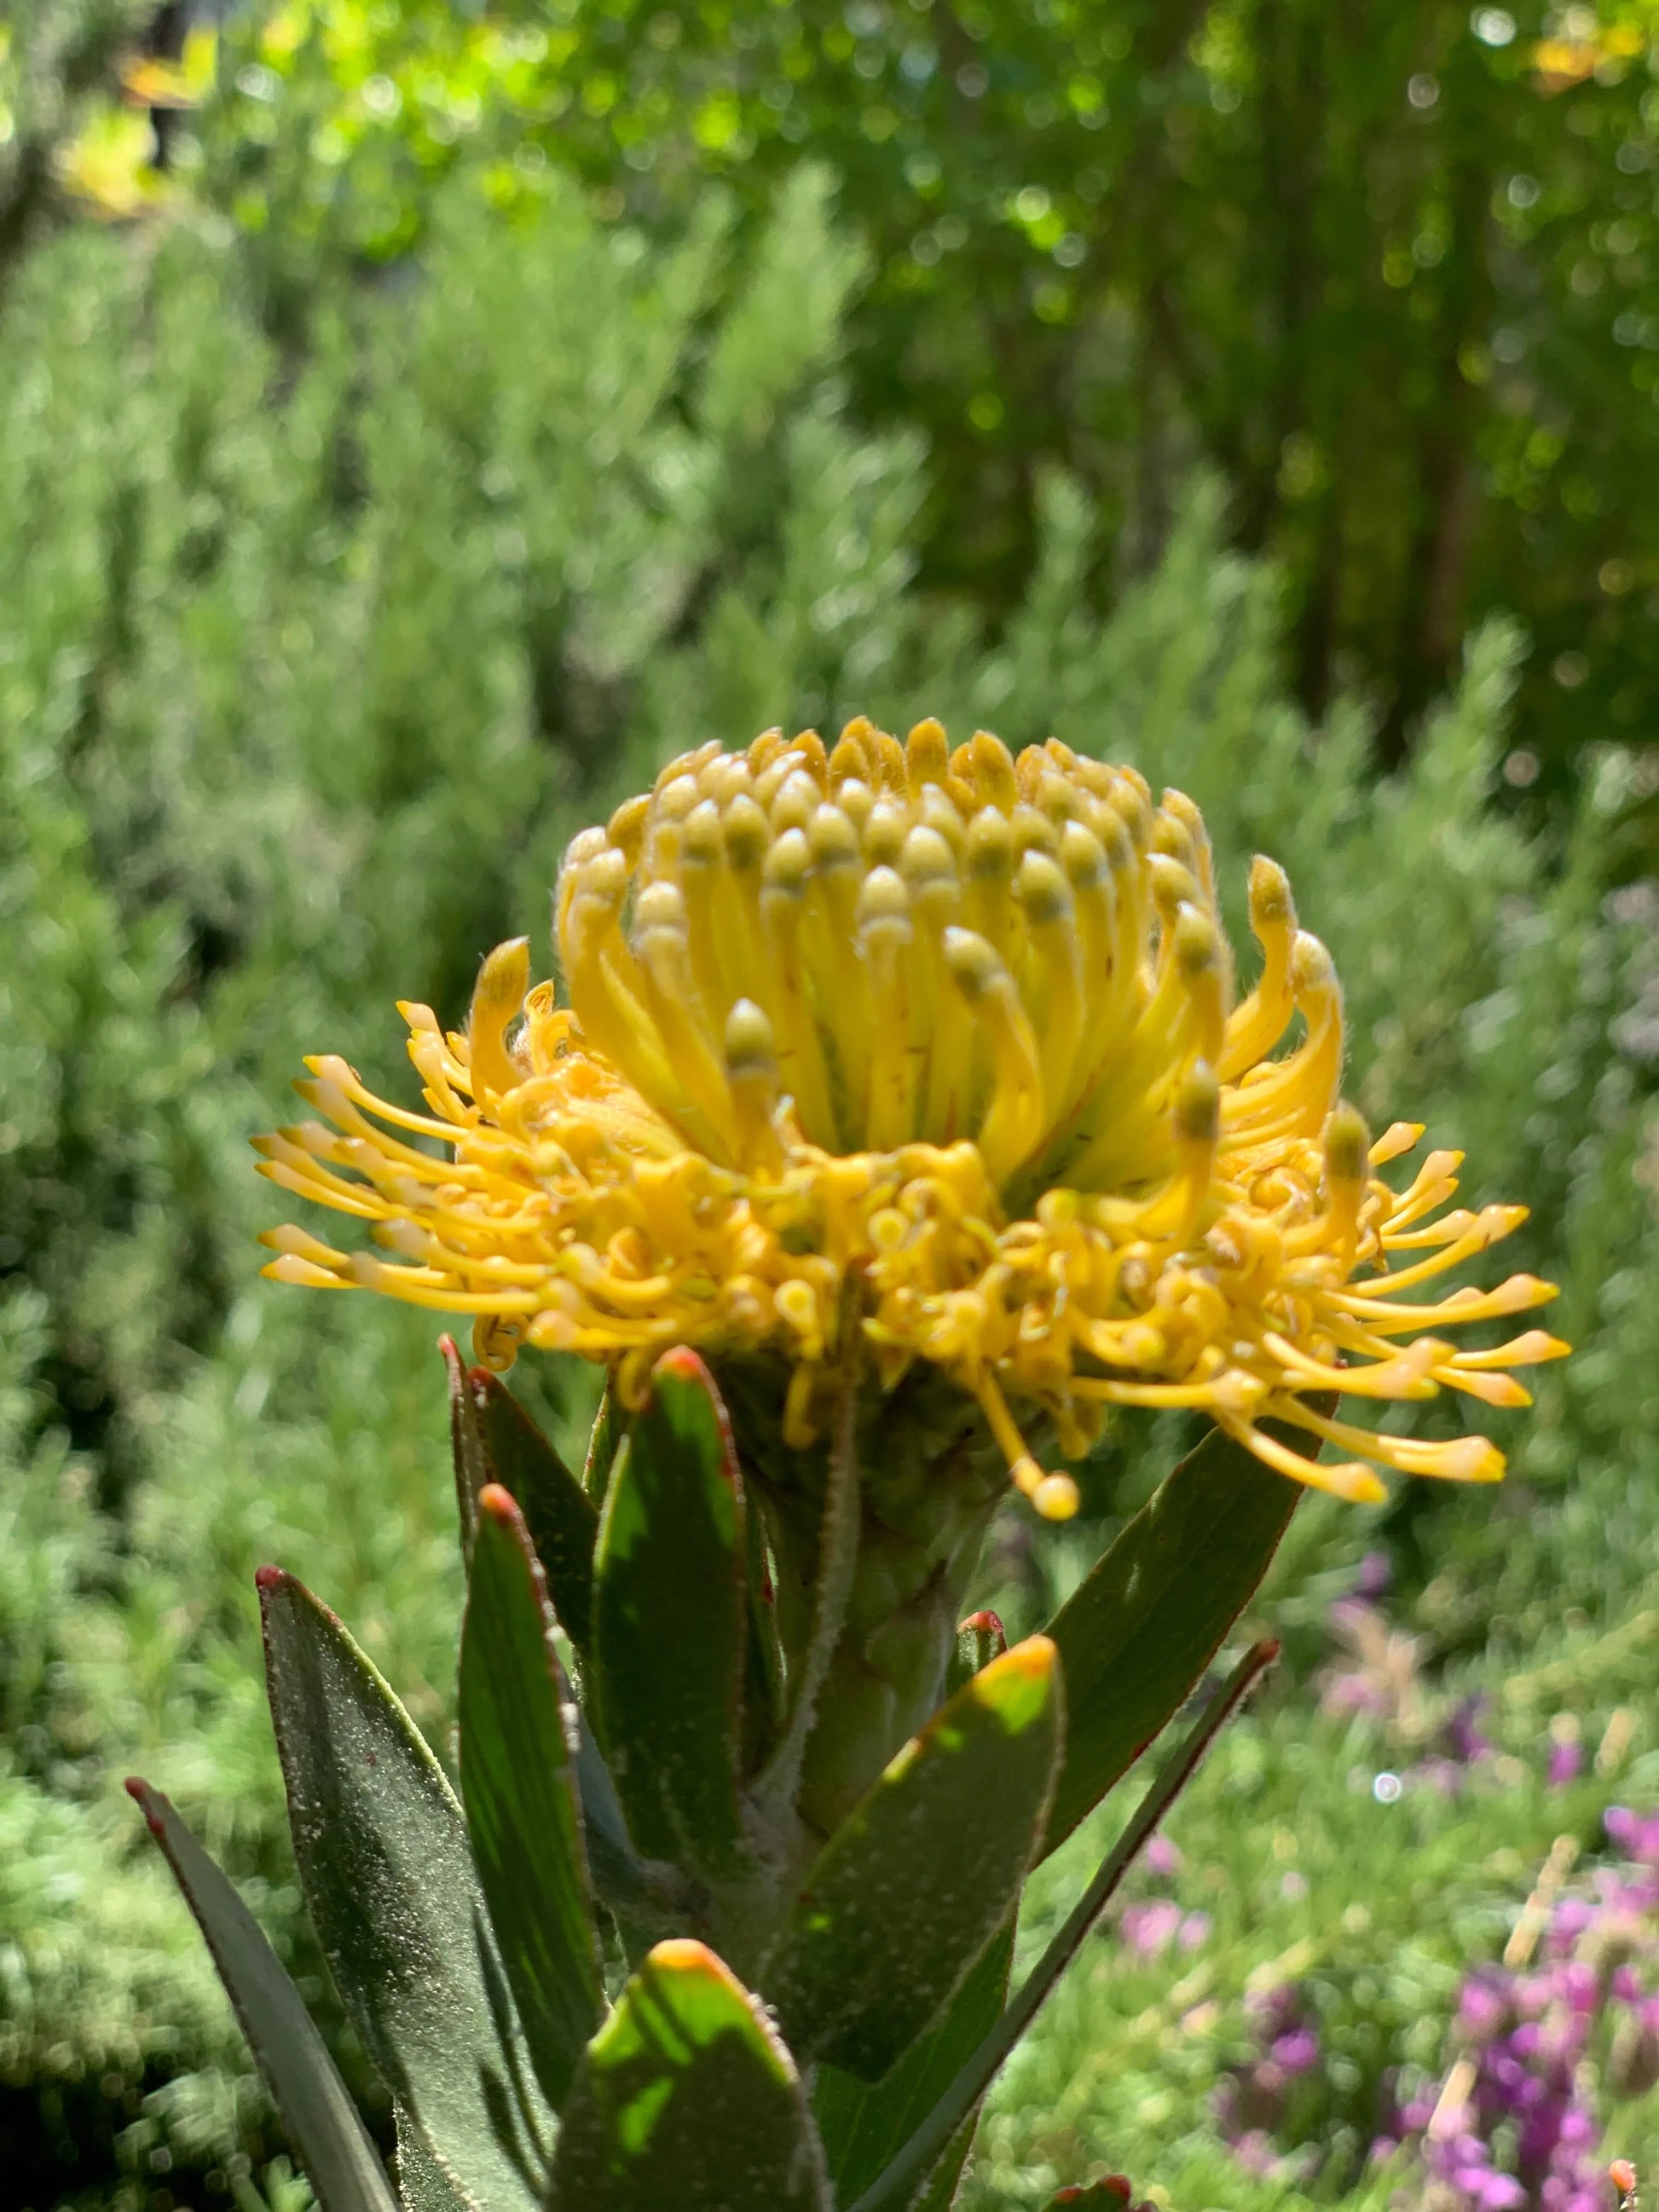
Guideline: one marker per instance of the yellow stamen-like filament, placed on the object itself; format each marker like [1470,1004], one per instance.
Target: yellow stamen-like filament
[944,1044]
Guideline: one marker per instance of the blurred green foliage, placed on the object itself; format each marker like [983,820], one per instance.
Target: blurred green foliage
[390,504]
[1392,268]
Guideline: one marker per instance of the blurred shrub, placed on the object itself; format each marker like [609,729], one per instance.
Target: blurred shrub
[313,649]
[1391,268]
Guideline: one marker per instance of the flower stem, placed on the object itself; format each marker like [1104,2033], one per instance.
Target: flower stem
[774,1789]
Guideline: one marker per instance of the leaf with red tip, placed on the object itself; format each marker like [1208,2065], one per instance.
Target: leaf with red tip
[671,1621]
[331,2141]
[516,1750]
[562,1520]
[911,1885]
[382,1853]
[980,1640]
[1140,1628]
[686,2098]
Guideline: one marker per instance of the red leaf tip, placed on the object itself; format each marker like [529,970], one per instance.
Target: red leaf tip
[498,1503]
[985,1623]
[144,1798]
[682,1362]
[267,1579]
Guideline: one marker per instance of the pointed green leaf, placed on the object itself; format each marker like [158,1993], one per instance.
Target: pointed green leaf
[687,2099]
[670,1624]
[465,1443]
[911,1888]
[331,2141]
[522,1805]
[1141,1627]
[604,1440]
[980,1640]
[865,2125]
[939,2133]
[382,1853]
[562,1520]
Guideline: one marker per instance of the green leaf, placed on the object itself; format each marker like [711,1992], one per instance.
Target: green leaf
[382,1853]
[939,2132]
[1140,1630]
[465,1443]
[687,2099]
[423,2185]
[980,1640]
[562,1520]
[911,1888]
[670,1626]
[331,2141]
[864,2126]
[604,1441]
[521,1806]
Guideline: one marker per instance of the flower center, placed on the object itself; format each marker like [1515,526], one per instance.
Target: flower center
[916,945]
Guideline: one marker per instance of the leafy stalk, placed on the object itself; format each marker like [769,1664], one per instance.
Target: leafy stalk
[775,1789]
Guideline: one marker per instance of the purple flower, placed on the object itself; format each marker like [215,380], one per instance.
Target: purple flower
[1255,2152]
[1464,1740]
[1492,2192]
[1566,1763]
[1150,1928]
[1374,1576]
[1162,1857]
[1296,2052]
[1481,2008]
[1636,1837]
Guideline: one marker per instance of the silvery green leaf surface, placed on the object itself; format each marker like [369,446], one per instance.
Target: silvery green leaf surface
[331,2141]
[911,1887]
[388,1876]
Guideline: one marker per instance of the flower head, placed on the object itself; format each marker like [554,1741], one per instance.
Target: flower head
[934,1055]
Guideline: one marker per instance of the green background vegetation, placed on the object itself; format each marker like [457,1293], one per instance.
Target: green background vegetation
[490,404]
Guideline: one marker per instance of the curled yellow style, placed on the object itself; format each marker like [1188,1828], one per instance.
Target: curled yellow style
[940,1046]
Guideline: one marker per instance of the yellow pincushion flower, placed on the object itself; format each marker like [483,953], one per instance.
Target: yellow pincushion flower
[937,1053]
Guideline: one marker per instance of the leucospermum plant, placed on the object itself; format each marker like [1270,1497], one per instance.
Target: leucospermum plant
[900,1120]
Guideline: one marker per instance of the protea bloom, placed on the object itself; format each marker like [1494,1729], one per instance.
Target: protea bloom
[917,1057]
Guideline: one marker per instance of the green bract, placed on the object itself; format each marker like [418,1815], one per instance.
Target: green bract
[632,1974]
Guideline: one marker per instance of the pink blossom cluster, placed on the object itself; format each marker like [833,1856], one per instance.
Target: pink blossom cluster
[1522,2136]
